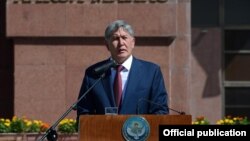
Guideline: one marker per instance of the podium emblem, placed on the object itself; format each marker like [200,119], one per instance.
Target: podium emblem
[136,128]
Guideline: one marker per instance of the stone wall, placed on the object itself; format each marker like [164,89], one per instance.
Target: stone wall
[55,41]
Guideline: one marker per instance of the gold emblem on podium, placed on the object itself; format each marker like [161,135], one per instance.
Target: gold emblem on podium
[136,128]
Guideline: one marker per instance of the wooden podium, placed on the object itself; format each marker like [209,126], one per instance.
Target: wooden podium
[109,127]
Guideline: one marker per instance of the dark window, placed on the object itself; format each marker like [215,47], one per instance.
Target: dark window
[238,111]
[237,12]
[237,55]
[237,101]
[237,67]
[237,39]
[237,96]
[205,13]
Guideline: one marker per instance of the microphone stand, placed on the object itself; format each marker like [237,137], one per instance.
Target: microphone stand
[51,133]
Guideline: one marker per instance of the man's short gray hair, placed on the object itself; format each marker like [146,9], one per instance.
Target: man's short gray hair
[114,26]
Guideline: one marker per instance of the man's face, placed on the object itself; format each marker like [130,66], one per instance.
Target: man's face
[121,45]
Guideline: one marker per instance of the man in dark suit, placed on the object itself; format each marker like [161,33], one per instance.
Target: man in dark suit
[142,89]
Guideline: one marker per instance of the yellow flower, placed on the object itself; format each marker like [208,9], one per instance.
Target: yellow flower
[14,118]
[28,123]
[7,124]
[7,121]
[36,122]
[220,122]
[67,126]
[229,120]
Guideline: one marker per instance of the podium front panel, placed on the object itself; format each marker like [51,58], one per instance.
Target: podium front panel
[109,127]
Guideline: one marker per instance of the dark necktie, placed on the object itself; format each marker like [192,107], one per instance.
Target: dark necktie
[118,85]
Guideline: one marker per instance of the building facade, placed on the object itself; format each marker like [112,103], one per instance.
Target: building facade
[46,46]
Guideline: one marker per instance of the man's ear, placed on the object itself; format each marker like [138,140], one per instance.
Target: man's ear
[106,44]
[134,42]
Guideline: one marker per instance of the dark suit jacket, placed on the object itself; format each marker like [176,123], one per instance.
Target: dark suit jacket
[145,91]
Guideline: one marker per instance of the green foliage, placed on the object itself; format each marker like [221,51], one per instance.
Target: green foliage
[22,125]
[4,125]
[228,120]
[67,126]
[17,125]
[201,121]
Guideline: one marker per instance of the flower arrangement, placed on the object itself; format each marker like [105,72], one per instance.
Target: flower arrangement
[25,125]
[22,125]
[67,126]
[201,120]
[4,125]
[228,120]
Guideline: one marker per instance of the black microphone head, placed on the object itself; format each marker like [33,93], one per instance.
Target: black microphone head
[102,68]
[182,113]
[114,63]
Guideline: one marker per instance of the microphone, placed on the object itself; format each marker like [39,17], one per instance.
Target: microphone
[99,70]
[157,104]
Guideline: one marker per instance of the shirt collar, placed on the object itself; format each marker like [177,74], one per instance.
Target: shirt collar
[127,64]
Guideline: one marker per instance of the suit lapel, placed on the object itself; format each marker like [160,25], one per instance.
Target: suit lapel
[107,85]
[133,79]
